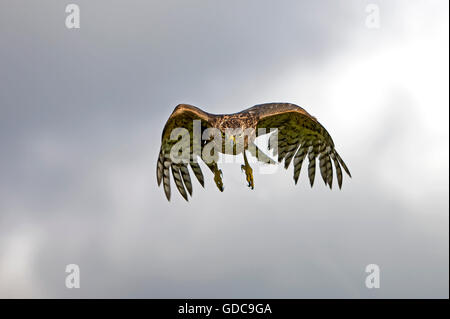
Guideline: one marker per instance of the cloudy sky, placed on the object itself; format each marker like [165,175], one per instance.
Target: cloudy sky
[81,115]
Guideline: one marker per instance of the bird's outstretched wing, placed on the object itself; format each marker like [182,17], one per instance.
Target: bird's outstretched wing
[300,135]
[183,116]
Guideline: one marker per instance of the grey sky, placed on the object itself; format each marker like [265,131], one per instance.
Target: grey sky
[81,118]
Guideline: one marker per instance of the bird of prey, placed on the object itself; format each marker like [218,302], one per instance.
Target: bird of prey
[298,136]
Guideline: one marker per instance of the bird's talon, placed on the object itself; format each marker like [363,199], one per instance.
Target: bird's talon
[218,179]
[249,175]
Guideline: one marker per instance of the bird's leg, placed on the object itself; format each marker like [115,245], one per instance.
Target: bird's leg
[217,175]
[248,172]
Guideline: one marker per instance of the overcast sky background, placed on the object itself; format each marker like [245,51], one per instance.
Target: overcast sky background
[81,116]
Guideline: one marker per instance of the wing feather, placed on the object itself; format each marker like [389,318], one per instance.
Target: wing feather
[186,177]
[329,173]
[178,180]
[312,165]
[298,160]
[160,168]
[290,155]
[300,135]
[166,179]
[338,169]
[197,172]
[343,164]
[182,117]
[323,167]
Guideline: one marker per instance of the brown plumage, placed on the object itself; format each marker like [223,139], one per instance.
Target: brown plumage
[299,136]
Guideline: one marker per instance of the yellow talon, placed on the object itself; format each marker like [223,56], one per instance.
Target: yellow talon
[218,179]
[248,174]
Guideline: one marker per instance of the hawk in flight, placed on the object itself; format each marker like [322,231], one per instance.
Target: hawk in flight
[297,135]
